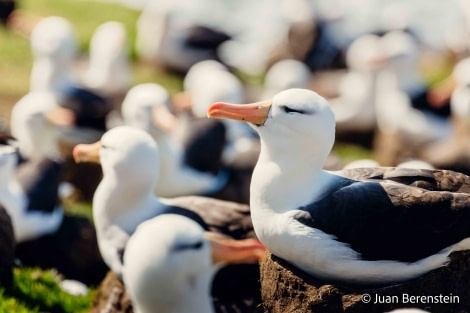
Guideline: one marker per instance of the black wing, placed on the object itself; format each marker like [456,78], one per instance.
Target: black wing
[438,180]
[223,217]
[89,107]
[40,180]
[232,282]
[393,221]
[204,141]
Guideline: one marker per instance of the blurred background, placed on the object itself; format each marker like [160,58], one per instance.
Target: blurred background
[397,74]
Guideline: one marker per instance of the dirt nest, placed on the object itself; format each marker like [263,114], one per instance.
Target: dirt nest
[111,296]
[286,289]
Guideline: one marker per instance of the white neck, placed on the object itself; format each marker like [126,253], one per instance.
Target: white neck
[46,75]
[170,161]
[110,76]
[125,203]
[170,151]
[12,197]
[8,171]
[280,184]
[175,178]
[408,78]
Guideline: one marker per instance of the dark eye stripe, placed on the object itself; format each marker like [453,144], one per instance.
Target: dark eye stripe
[291,110]
[189,246]
[107,147]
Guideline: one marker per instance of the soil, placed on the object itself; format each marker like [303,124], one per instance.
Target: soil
[286,289]
[111,296]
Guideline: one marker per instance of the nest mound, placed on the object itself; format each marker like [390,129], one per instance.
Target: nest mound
[286,289]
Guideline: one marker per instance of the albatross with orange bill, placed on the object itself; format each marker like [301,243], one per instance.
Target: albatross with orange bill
[125,198]
[360,226]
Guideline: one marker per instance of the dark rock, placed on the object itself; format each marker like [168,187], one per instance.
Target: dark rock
[72,250]
[111,296]
[285,289]
[7,246]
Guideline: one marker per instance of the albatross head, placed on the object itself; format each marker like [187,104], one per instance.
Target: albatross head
[295,121]
[54,37]
[36,122]
[146,107]
[123,152]
[169,264]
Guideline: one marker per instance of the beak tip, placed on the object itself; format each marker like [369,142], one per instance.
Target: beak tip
[76,153]
[212,108]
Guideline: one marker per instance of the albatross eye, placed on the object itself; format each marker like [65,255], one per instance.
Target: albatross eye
[287,109]
[106,147]
[189,246]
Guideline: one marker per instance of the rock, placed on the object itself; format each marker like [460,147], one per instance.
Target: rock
[7,246]
[111,297]
[72,250]
[285,289]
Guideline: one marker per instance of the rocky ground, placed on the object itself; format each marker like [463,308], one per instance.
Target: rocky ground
[286,289]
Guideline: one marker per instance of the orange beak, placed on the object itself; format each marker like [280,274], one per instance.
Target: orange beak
[255,113]
[87,152]
[230,251]
[164,119]
[60,116]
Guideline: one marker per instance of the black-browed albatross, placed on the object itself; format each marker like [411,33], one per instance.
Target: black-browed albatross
[125,198]
[371,226]
[174,273]
[28,192]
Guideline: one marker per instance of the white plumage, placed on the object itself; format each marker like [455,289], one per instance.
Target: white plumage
[175,272]
[297,134]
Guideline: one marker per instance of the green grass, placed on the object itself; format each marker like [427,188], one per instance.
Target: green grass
[145,73]
[15,65]
[78,208]
[35,290]
[84,15]
[350,152]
